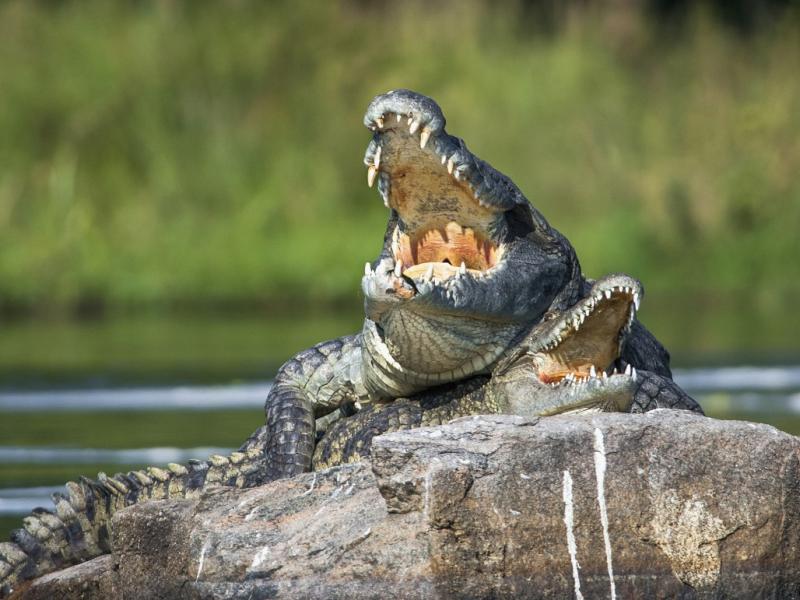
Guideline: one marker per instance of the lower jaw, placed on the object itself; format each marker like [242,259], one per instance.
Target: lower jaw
[530,397]
[606,402]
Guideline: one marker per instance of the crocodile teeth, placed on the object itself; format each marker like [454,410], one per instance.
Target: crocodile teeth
[636,301]
[413,126]
[608,294]
[592,372]
[424,136]
[379,122]
[367,269]
[398,268]
[371,173]
[377,159]
[463,268]
[428,273]
[633,373]
[450,164]
[398,118]
[627,369]
[444,158]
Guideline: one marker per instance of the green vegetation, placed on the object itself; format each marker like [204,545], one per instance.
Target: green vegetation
[209,154]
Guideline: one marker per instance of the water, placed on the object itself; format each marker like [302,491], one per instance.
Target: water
[78,398]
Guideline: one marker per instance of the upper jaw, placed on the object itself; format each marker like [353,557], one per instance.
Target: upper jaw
[403,117]
[450,204]
[582,343]
[605,292]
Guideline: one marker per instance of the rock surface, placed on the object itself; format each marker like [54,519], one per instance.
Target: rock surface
[665,504]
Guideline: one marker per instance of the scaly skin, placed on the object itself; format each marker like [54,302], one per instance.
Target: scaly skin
[566,364]
[468,268]
[470,278]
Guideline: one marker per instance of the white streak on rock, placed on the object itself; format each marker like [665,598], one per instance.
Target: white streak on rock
[427,500]
[311,489]
[571,546]
[600,475]
[203,552]
[259,558]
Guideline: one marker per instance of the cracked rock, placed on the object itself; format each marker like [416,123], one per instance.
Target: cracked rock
[665,504]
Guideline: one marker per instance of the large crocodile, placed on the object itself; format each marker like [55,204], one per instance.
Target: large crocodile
[468,267]
[464,309]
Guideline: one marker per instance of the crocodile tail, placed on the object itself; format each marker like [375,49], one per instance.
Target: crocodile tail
[79,526]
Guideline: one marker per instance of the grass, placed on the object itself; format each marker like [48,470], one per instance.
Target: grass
[202,154]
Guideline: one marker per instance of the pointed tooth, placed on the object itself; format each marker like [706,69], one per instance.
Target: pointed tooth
[379,122]
[592,372]
[377,159]
[627,369]
[633,373]
[413,126]
[398,268]
[410,120]
[604,375]
[616,371]
[367,269]
[463,268]
[428,273]
[444,159]
[636,301]
[424,136]
[450,165]
[398,118]
[371,173]
[608,294]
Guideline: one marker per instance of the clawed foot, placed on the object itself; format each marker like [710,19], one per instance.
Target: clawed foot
[654,391]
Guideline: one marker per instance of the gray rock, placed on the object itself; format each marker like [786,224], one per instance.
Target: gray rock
[665,504]
[91,580]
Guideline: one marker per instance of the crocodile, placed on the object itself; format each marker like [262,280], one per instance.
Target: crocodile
[470,289]
[467,269]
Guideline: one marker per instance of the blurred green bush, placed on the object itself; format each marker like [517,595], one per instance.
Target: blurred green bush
[161,154]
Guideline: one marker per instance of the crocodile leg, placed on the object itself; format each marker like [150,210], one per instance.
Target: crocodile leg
[656,391]
[350,439]
[312,384]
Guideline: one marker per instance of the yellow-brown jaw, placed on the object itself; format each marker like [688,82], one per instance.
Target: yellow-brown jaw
[585,341]
[443,249]
[444,227]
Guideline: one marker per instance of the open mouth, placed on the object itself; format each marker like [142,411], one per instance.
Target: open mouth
[582,345]
[433,184]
